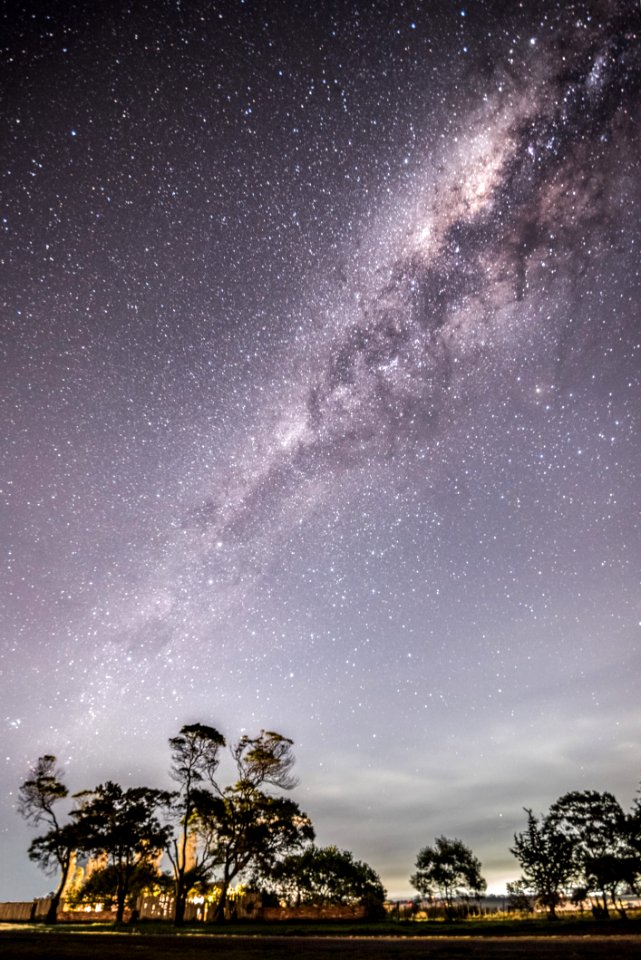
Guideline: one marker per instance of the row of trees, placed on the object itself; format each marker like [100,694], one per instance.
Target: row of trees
[203,830]
[585,848]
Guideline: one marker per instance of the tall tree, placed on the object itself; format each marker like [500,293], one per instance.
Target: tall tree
[227,830]
[545,854]
[449,870]
[249,827]
[123,826]
[195,755]
[39,796]
[595,823]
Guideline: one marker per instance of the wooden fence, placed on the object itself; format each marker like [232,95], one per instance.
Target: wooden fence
[27,910]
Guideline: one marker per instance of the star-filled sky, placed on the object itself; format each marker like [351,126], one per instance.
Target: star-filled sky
[321,404]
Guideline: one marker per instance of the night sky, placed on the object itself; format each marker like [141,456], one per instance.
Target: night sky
[320,398]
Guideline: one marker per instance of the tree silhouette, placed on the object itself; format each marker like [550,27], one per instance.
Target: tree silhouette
[546,856]
[450,870]
[123,826]
[327,875]
[229,830]
[195,755]
[39,796]
[596,825]
[250,828]
[265,760]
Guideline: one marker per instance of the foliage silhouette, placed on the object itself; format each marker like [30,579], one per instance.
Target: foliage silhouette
[450,871]
[596,826]
[39,797]
[327,875]
[123,826]
[233,828]
[546,856]
[195,755]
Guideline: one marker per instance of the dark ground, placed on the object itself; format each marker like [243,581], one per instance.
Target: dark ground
[24,943]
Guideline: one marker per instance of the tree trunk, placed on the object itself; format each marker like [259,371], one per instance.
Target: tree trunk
[599,909]
[219,916]
[618,903]
[121,894]
[181,902]
[52,912]
[606,912]
[550,900]
[448,903]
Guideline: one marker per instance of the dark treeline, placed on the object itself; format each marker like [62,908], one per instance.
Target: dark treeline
[586,848]
[204,831]
[209,835]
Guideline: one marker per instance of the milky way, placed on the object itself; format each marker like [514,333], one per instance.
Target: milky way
[321,386]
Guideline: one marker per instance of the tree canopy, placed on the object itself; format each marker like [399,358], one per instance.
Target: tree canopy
[327,875]
[546,856]
[251,829]
[448,870]
[597,829]
[124,827]
[265,760]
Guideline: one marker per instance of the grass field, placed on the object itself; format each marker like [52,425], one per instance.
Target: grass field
[493,941]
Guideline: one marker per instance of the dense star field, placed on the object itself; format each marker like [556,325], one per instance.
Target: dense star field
[321,404]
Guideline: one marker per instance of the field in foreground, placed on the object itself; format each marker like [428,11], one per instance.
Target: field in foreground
[25,942]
